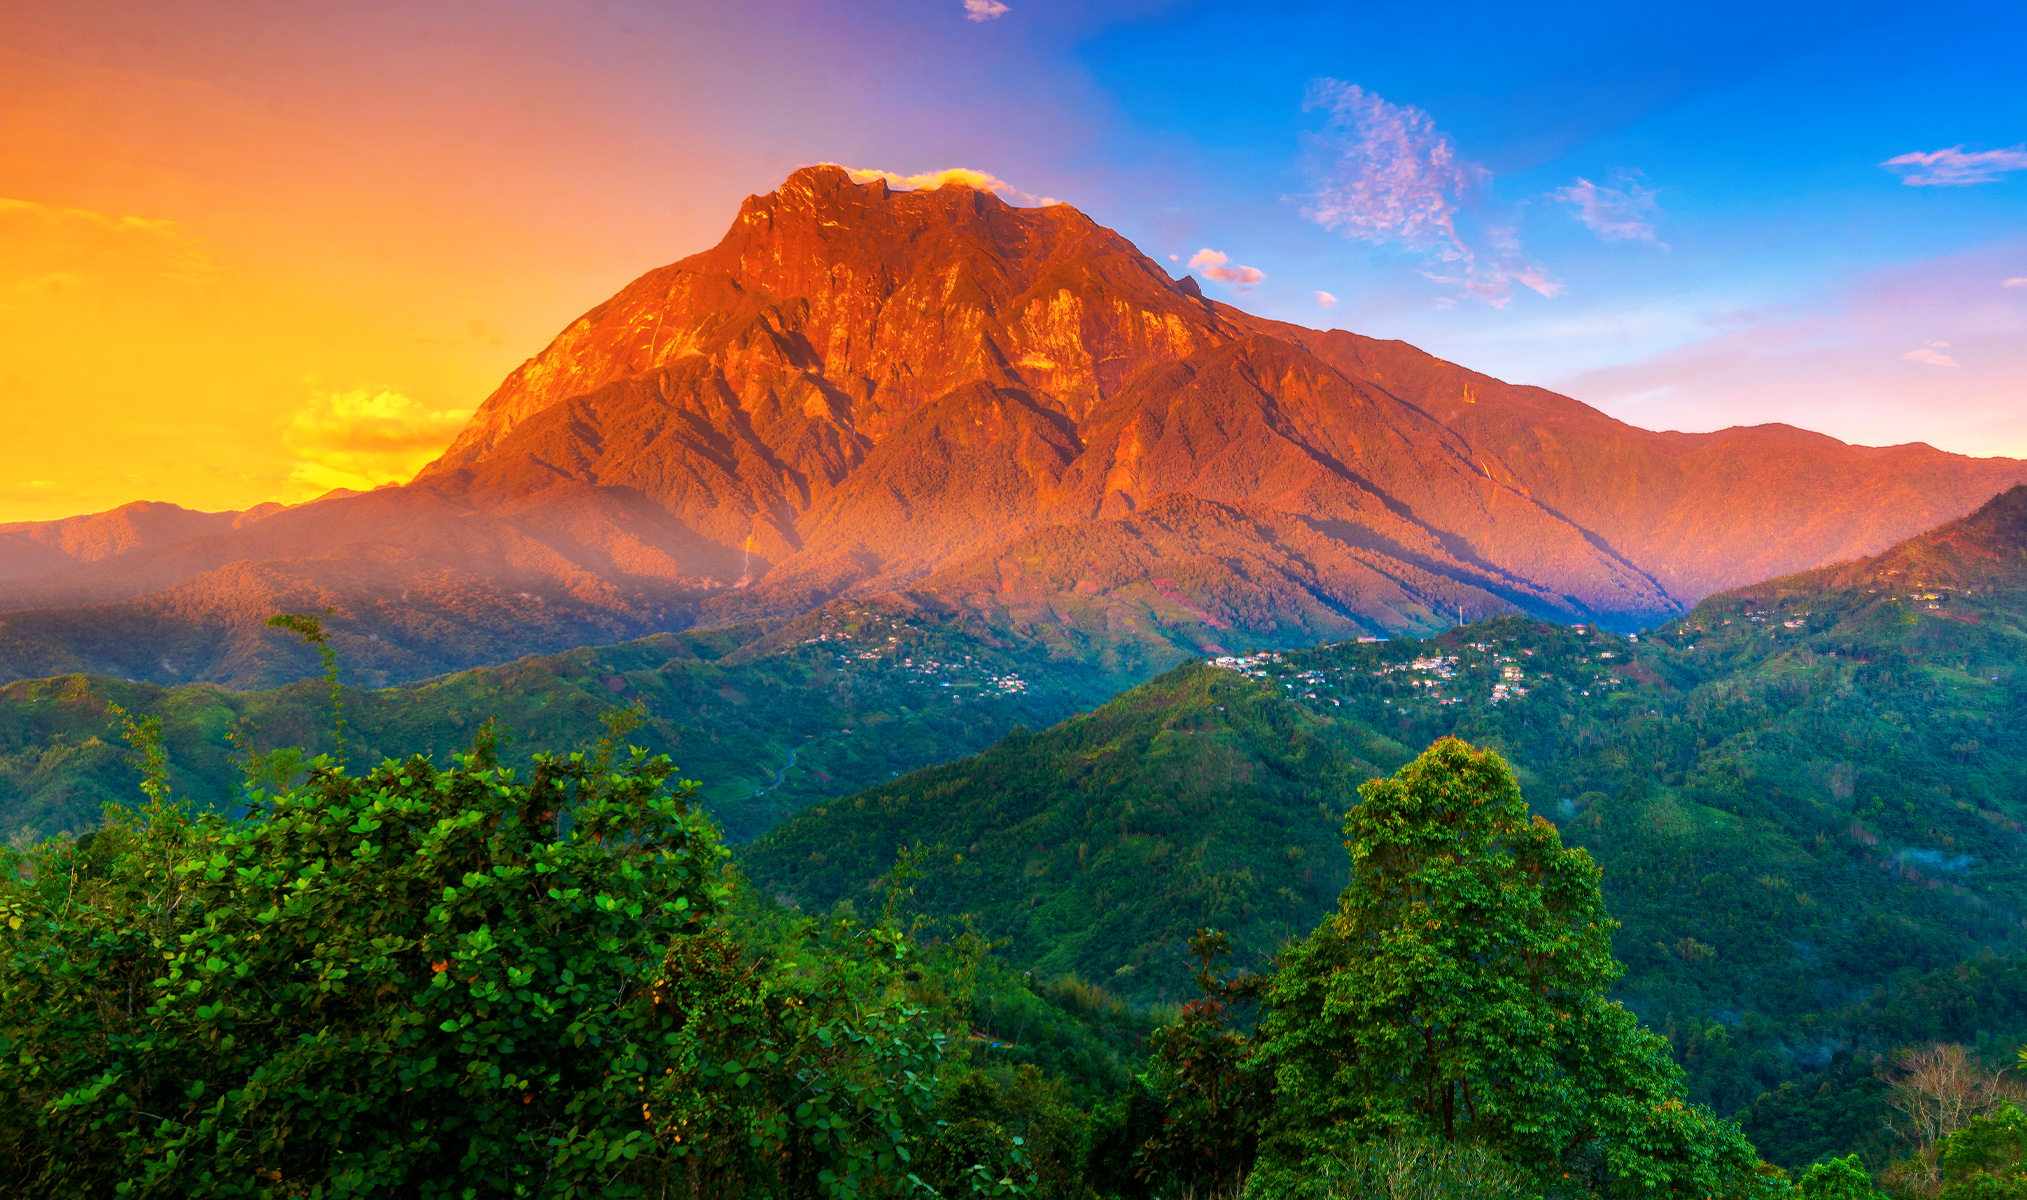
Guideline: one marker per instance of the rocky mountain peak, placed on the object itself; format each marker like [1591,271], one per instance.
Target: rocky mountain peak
[866,302]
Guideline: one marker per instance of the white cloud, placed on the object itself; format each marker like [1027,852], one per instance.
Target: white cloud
[1388,175]
[1954,168]
[1214,266]
[1616,214]
[1325,300]
[984,10]
[984,181]
[1383,173]
[1932,354]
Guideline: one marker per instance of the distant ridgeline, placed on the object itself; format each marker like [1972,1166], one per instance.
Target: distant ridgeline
[1806,796]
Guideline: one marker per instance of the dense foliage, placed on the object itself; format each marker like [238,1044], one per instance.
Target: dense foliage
[455,982]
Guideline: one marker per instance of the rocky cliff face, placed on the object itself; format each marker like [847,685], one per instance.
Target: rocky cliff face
[860,390]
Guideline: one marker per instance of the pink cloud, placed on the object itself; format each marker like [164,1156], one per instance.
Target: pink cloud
[2017,281]
[984,10]
[1388,175]
[1616,214]
[1932,354]
[1325,300]
[1384,174]
[1213,265]
[1954,168]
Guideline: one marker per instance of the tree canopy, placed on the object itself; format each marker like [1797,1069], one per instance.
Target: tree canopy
[1459,993]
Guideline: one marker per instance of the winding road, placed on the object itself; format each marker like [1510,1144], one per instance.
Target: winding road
[781,774]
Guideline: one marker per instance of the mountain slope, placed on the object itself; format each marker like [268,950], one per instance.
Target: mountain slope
[1700,512]
[858,388]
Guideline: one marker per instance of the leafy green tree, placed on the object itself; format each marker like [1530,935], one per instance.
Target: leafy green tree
[1211,1094]
[1987,1158]
[807,1074]
[1836,1179]
[1459,993]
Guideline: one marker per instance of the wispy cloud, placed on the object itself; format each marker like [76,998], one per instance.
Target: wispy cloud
[1622,213]
[363,438]
[67,246]
[1490,274]
[1954,168]
[1932,354]
[2016,281]
[984,10]
[1220,267]
[1325,300]
[1383,173]
[984,181]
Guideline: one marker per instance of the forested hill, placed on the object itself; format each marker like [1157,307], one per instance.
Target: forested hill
[1799,793]
[844,698]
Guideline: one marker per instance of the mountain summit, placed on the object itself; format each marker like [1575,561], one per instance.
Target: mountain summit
[862,390]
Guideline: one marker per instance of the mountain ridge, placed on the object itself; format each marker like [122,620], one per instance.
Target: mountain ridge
[859,388]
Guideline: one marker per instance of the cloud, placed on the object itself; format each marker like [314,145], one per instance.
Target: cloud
[1954,168]
[364,438]
[1490,277]
[984,181]
[1384,174]
[1213,265]
[984,10]
[1616,214]
[1325,300]
[2016,281]
[50,250]
[1933,355]
[1388,175]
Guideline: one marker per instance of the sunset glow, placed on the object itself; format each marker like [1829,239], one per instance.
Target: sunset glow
[255,252]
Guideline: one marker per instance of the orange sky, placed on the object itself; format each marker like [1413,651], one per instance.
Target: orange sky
[231,276]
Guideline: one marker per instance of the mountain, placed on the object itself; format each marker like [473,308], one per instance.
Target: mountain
[1808,797]
[32,548]
[862,392]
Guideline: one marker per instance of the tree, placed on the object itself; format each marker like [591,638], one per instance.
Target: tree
[1211,1094]
[1934,1091]
[1836,1179]
[1987,1158]
[1458,993]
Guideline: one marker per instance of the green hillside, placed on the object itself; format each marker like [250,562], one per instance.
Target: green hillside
[1805,797]
[844,698]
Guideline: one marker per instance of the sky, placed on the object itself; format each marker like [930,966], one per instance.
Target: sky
[253,252]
